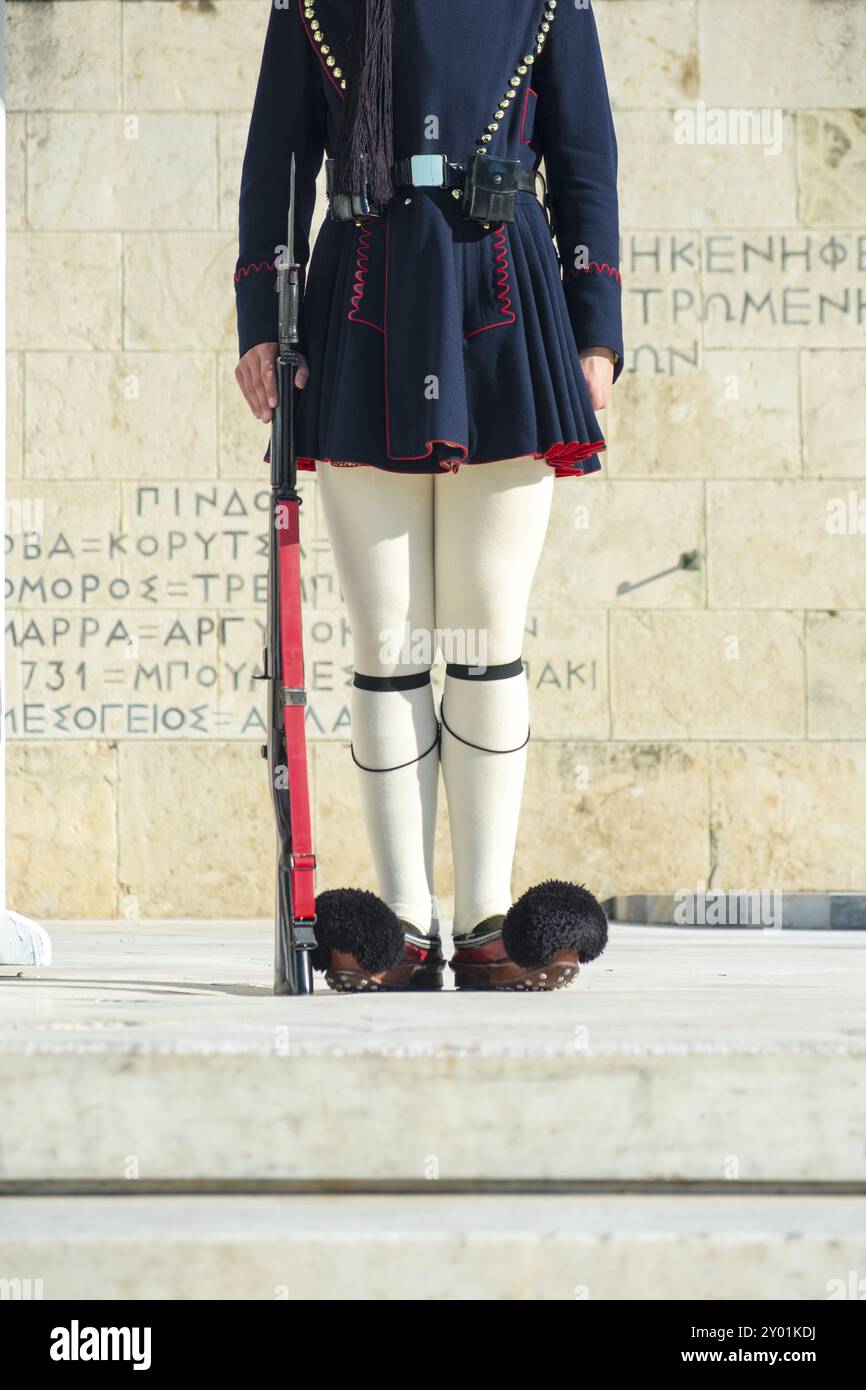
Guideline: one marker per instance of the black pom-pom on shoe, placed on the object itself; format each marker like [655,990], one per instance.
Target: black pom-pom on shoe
[358,923]
[554,916]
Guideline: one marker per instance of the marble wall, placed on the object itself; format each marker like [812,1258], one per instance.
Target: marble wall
[693,724]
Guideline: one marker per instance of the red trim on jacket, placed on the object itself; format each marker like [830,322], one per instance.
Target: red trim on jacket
[359,288]
[503,290]
[594,265]
[533,92]
[254,265]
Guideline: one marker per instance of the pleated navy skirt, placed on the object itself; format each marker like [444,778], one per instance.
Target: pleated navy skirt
[433,342]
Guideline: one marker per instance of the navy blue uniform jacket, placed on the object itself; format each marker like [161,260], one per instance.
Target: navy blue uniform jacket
[432,341]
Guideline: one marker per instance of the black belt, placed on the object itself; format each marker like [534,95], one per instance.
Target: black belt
[438,171]
[486,185]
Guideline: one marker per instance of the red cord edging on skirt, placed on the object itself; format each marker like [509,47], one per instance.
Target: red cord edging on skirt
[562,457]
[503,286]
[359,287]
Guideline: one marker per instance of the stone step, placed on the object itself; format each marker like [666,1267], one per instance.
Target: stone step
[159,1054]
[434,1247]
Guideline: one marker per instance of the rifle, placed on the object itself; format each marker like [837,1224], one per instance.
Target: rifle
[283,657]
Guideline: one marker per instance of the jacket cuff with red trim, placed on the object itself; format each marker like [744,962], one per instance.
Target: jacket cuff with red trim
[255,291]
[594,300]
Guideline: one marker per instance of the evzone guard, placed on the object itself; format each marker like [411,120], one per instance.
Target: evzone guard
[451,358]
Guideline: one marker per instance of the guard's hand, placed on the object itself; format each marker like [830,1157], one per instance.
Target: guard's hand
[256,377]
[597,364]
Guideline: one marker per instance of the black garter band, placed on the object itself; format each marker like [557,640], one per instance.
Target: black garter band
[410,682]
[482,673]
[485,673]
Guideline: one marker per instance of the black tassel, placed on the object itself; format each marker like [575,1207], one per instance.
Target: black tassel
[367,127]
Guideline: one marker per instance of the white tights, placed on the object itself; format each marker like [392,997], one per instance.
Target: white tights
[457,553]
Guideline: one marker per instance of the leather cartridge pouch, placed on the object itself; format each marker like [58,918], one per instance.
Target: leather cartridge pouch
[347,207]
[490,189]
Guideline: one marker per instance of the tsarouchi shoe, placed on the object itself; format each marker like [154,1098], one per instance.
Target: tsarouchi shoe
[364,946]
[539,944]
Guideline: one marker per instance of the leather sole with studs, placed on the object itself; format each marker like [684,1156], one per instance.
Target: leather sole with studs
[351,981]
[506,975]
[361,982]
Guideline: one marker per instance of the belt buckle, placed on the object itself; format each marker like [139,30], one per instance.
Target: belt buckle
[428,170]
